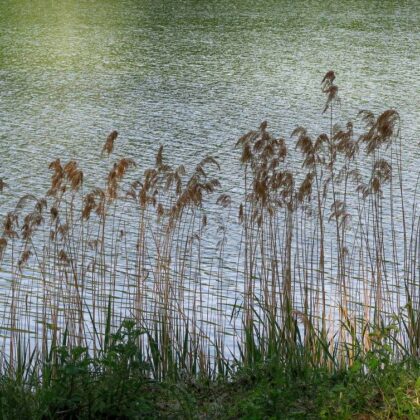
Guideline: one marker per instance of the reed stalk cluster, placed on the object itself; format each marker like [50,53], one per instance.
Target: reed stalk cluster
[328,263]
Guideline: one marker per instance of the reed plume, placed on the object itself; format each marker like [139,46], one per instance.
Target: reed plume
[3,184]
[109,143]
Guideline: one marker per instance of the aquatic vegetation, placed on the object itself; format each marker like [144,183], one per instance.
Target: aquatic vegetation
[328,257]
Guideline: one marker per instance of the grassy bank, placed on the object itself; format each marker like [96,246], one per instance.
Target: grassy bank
[119,383]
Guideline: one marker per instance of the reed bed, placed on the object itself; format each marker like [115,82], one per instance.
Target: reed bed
[327,270]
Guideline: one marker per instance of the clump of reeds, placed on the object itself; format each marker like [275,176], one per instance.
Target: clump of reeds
[324,269]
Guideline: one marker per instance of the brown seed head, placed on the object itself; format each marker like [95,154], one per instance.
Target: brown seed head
[109,143]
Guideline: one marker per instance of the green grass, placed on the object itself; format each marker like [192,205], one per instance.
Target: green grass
[269,392]
[119,383]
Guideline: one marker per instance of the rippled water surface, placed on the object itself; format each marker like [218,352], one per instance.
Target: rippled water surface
[192,76]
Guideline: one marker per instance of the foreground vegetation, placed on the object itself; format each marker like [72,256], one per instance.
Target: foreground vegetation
[116,306]
[119,383]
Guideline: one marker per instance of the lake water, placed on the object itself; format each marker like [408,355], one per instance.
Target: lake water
[192,76]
